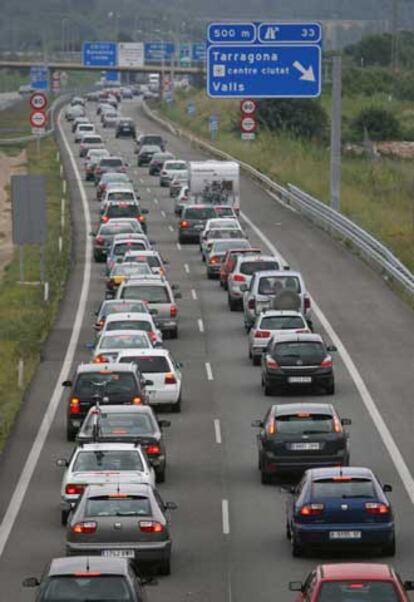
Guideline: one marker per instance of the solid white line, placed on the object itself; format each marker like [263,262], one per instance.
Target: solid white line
[194,294]
[225,515]
[200,325]
[141,180]
[20,491]
[163,214]
[217,430]
[64,186]
[170,228]
[383,430]
[179,247]
[187,268]
[156,201]
[209,371]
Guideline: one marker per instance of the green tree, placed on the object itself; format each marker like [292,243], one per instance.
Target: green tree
[302,118]
[371,50]
[380,124]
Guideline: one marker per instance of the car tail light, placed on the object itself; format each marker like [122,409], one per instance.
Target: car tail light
[99,241]
[271,427]
[307,303]
[262,334]
[150,526]
[239,278]
[271,363]
[376,508]
[74,405]
[99,324]
[183,223]
[104,218]
[137,400]
[152,336]
[173,311]
[311,509]
[327,362]
[84,528]
[153,450]
[214,259]
[337,425]
[72,489]
[251,304]
[87,574]
[170,379]
[100,359]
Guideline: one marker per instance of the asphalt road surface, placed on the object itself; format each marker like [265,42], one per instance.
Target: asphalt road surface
[228,530]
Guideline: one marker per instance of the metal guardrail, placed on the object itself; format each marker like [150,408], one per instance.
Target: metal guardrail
[335,223]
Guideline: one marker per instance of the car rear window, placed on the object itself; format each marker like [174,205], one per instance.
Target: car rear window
[130,325]
[111,177]
[224,211]
[223,245]
[125,306]
[71,588]
[131,269]
[273,285]
[304,423]
[151,260]
[135,423]
[150,363]
[343,487]
[116,228]
[122,210]
[122,248]
[175,165]
[92,140]
[224,233]
[107,460]
[124,195]
[111,162]
[152,294]
[302,349]
[199,213]
[152,140]
[123,341]
[282,323]
[91,383]
[122,506]
[250,267]
[358,591]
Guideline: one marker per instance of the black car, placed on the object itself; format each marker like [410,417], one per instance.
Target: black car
[157,162]
[125,128]
[89,578]
[297,360]
[192,222]
[146,153]
[109,383]
[128,424]
[152,140]
[296,436]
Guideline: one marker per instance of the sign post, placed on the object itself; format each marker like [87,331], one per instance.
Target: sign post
[213,126]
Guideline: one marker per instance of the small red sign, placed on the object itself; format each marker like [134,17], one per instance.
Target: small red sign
[38,119]
[248,106]
[38,101]
[248,124]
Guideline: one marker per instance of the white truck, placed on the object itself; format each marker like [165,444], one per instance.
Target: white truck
[214,182]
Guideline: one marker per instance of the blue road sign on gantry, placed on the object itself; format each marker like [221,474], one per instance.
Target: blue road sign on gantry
[39,77]
[199,51]
[272,60]
[158,51]
[99,54]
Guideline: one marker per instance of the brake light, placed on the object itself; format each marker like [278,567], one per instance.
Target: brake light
[105,218]
[214,259]
[327,362]
[141,218]
[152,336]
[271,363]
[376,508]
[71,489]
[307,303]
[84,528]
[153,450]
[74,404]
[99,241]
[251,304]
[100,359]
[337,425]
[342,478]
[150,526]
[173,311]
[262,334]
[271,427]
[170,379]
[136,401]
[87,574]
[183,223]
[311,509]
[239,278]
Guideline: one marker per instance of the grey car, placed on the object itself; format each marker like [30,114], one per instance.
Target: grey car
[242,273]
[122,520]
[146,153]
[106,233]
[219,249]
[192,222]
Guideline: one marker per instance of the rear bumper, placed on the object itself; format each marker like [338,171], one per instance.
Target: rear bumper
[299,463]
[282,380]
[189,235]
[143,552]
[371,535]
[166,324]
[213,270]
[160,397]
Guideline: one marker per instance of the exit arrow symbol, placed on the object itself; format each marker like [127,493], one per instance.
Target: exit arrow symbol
[308,74]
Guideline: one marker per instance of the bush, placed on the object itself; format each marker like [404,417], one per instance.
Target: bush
[380,124]
[302,118]
[404,87]
[366,81]
[371,50]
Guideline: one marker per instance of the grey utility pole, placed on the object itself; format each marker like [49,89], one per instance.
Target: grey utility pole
[336,115]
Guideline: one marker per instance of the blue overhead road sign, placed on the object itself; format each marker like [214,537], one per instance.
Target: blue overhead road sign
[158,51]
[199,51]
[271,71]
[231,33]
[289,32]
[39,77]
[99,54]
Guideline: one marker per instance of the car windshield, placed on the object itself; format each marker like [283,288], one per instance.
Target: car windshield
[135,423]
[358,591]
[302,349]
[273,285]
[130,325]
[304,423]
[125,227]
[122,209]
[250,267]
[224,245]
[87,461]
[150,293]
[105,382]
[130,505]
[199,213]
[130,269]
[175,165]
[99,588]
[343,487]
[282,323]
[123,341]
[150,364]
[120,307]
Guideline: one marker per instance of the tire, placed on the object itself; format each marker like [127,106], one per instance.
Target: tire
[297,550]
[173,334]
[232,303]
[210,276]
[265,477]
[160,476]
[330,390]
[64,517]
[165,567]
[268,390]
[70,433]
[288,533]
[256,360]
[390,549]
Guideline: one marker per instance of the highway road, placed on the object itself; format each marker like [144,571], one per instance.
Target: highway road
[7,99]
[229,530]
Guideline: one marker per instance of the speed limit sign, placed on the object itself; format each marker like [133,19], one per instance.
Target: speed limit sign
[248,106]
[38,101]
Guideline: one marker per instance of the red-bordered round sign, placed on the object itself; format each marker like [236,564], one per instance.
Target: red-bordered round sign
[248,106]
[248,124]
[38,119]
[38,101]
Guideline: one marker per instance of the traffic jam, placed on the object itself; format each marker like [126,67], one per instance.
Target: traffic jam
[122,404]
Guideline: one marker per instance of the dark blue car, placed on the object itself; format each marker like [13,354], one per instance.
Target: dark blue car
[340,508]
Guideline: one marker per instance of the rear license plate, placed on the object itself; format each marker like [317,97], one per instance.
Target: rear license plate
[198,226]
[300,379]
[304,446]
[118,553]
[344,534]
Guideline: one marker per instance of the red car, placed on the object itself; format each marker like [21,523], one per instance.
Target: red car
[229,262]
[352,581]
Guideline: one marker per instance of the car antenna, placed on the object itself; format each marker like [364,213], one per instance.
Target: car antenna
[88,568]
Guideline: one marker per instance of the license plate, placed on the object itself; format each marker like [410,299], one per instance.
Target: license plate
[344,534]
[118,553]
[198,226]
[304,446]
[300,379]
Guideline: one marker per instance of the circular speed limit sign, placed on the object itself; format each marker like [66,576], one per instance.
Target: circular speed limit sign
[38,101]
[38,119]
[248,106]
[248,124]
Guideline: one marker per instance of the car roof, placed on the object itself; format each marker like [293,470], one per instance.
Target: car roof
[281,273]
[287,409]
[335,471]
[269,313]
[129,236]
[123,409]
[299,337]
[145,280]
[122,331]
[107,445]
[144,253]
[76,564]
[108,489]
[117,188]
[258,257]
[155,351]
[107,367]
[219,241]
[356,570]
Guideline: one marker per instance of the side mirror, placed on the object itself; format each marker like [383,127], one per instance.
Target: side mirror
[257,423]
[408,585]
[331,348]
[170,506]
[286,267]
[164,423]
[148,383]
[295,586]
[144,211]
[346,421]
[67,383]
[243,288]
[166,262]
[149,581]
[180,364]
[62,462]
[178,296]
[387,488]
[31,582]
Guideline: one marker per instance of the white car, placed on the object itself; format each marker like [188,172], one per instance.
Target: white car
[120,193]
[153,258]
[158,366]
[179,180]
[270,324]
[99,464]
[181,199]
[170,169]
[75,111]
[133,321]
[110,119]
[88,142]
[82,129]
[219,234]
[112,343]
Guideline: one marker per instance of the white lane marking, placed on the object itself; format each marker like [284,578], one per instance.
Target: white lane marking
[149,190]
[217,431]
[23,483]
[376,417]
[209,371]
[200,325]
[64,186]
[170,228]
[194,294]
[141,180]
[163,214]
[187,268]
[179,247]
[156,201]
[225,516]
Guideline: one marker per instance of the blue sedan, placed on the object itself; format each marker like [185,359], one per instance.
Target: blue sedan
[340,508]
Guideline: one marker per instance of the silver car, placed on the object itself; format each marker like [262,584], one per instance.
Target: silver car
[218,251]
[242,273]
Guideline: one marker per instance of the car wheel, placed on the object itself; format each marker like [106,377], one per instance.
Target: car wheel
[268,390]
[390,549]
[64,517]
[70,433]
[173,333]
[288,533]
[256,360]
[160,476]
[250,354]
[210,276]
[165,567]
[330,390]
[232,303]
[265,477]
[297,549]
